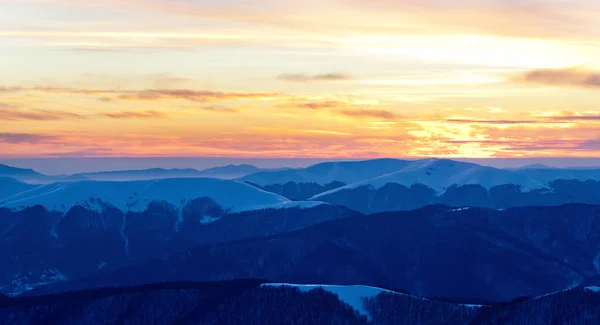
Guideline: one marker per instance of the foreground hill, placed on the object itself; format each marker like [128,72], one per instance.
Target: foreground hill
[472,254]
[39,247]
[136,195]
[251,302]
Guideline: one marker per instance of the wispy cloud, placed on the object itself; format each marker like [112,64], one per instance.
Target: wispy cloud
[483,121]
[25,138]
[152,94]
[300,77]
[328,132]
[15,114]
[137,114]
[216,108]
[96,50]
[571,77]
[576,118]
[318,104]
[528,17]
[372,113]
[194,95]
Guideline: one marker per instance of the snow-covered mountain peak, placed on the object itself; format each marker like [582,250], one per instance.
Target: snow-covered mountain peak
[136,195]
[440,174]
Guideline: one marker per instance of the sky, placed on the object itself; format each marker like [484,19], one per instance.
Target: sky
[299,78]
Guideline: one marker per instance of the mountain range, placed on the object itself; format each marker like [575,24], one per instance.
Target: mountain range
[382,241]
[223,172]
[367,186]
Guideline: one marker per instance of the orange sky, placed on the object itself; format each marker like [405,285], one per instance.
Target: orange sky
[328,78]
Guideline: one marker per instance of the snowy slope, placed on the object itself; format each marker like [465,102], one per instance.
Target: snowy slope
[347,172]
[10,186]
[440,174]
[353,295]
[136,195]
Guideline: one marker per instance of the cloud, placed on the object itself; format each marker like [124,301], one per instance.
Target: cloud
[571,77]
[152,94]
[136,114]
[341,107]
[215,108]
[520,144]
[312,104]
[376,113]
[54,90]
[389,17]
[26,138]
[576,118]
[96,50]
[12,114]
[327,77]
[482,121]
[194,95]
[328,132]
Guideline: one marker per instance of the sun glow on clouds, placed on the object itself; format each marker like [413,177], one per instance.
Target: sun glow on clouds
[333,78]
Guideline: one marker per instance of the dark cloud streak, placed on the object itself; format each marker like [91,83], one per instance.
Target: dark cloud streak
[476,121]
[12,114]
[571,77]
[136,114]
[24,138]
[375,113]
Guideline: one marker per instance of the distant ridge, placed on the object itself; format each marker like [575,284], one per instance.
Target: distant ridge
[20,173]
[537,166]
[133,175]
[344,171]
[225,172]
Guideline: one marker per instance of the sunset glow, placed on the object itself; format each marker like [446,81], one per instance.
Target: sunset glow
[328,78]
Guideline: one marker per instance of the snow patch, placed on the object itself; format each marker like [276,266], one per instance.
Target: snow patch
[25,282]
[593,289]
[556,292]
[461,209]
[208,219]
[354,296]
